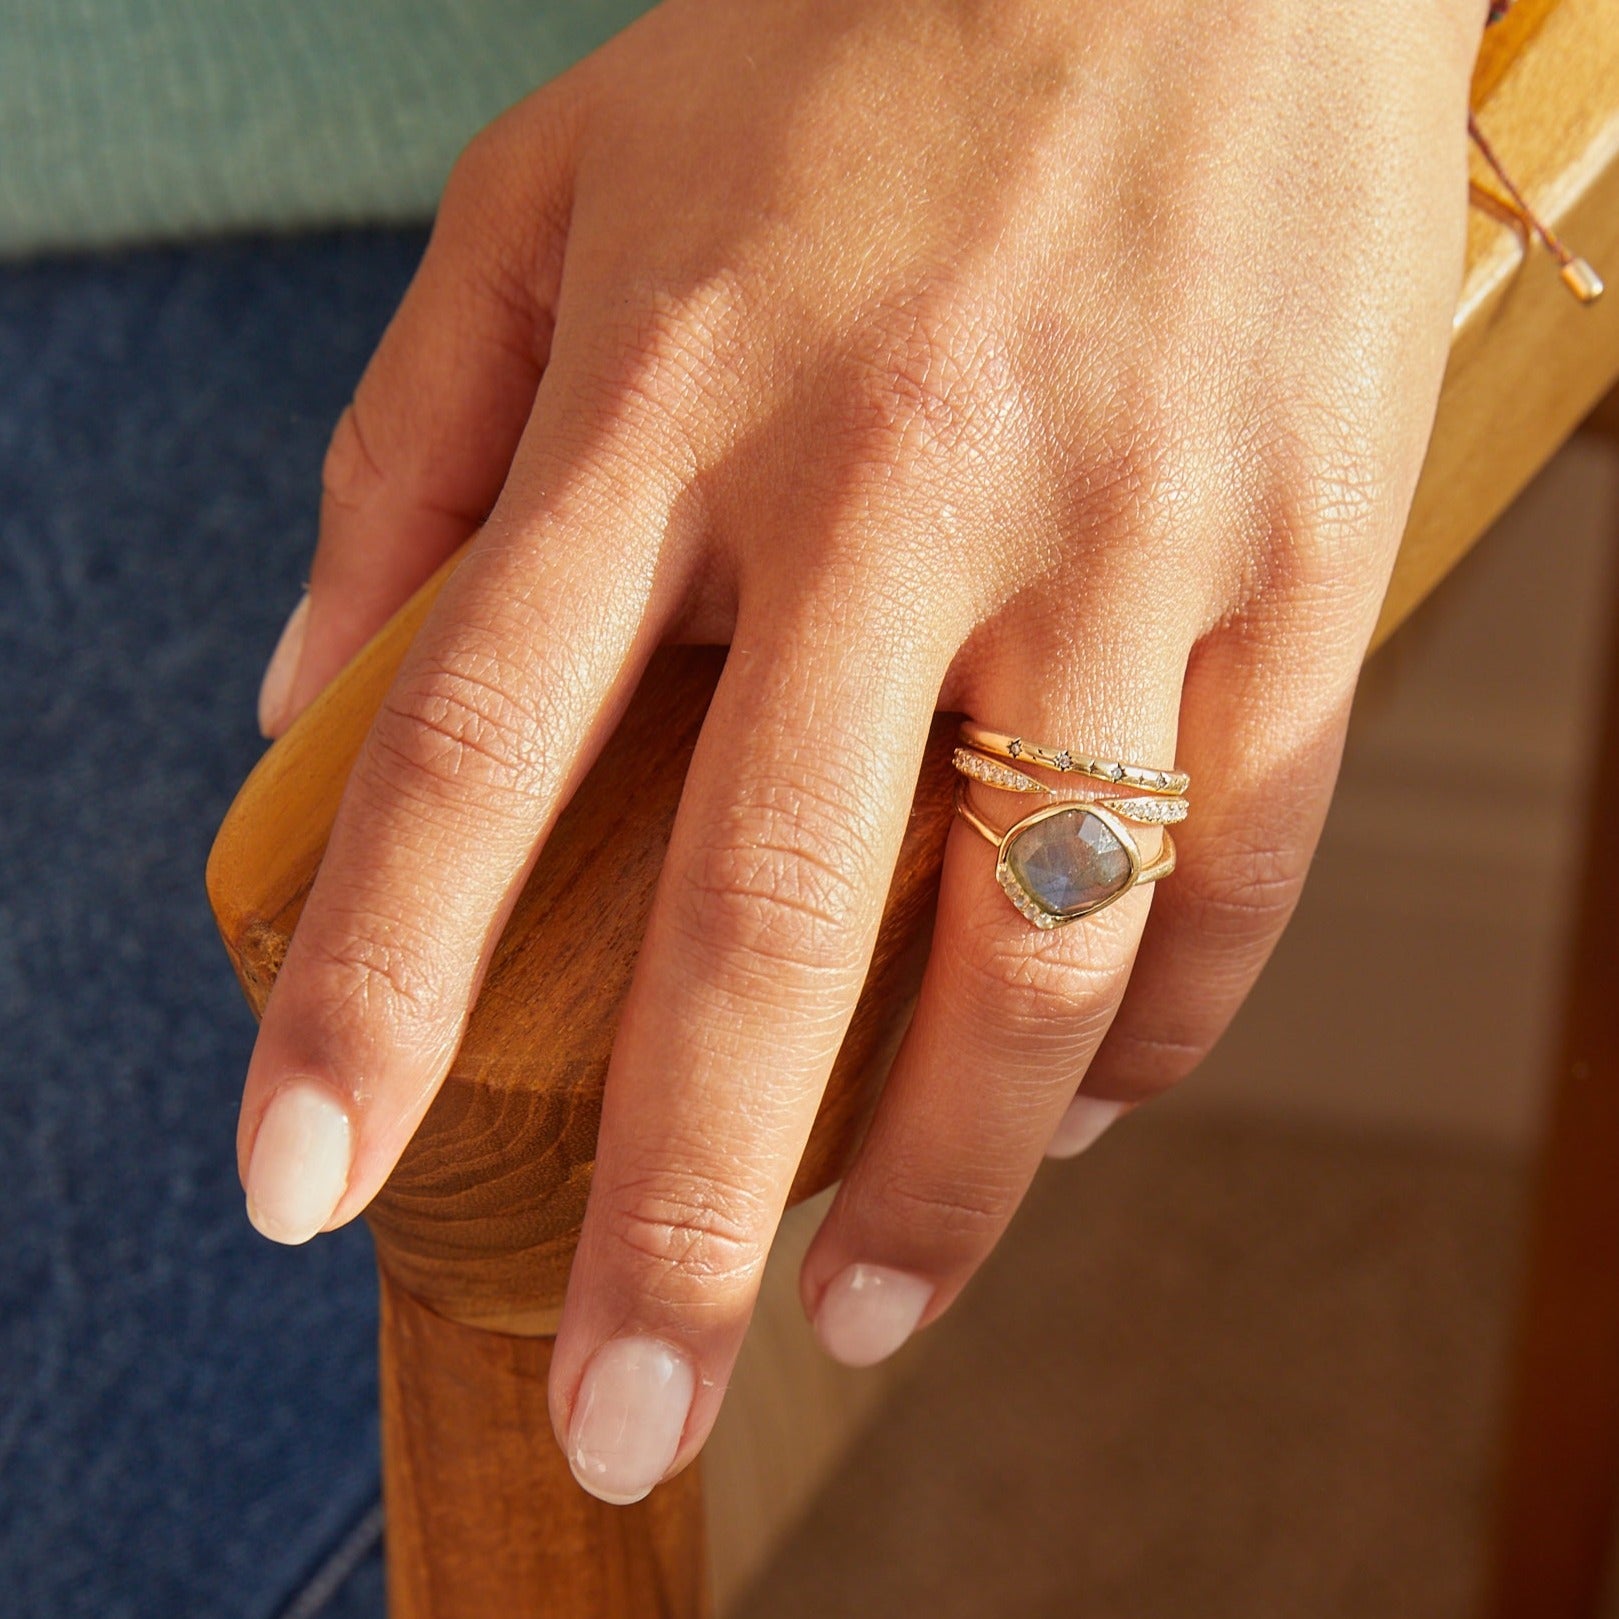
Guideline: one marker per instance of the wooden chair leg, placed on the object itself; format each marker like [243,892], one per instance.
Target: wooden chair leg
[484,1518]
[1560,1484]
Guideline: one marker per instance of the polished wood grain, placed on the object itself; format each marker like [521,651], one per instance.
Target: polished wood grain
[1503,43]
[1527,362]
[484,1519]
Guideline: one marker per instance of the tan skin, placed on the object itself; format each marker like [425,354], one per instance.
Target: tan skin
[1069,365]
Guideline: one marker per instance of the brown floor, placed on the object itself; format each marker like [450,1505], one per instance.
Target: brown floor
[1218,1369]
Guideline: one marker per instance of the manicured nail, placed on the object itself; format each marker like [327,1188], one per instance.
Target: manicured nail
[1087,1117]
[868,1311]
[300,1162]
[276,689]
[628,1418]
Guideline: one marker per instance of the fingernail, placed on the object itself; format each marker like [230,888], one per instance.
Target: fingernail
[628,1418]
[300,1162]
[1087,1117]
[276,688]
[868,1311]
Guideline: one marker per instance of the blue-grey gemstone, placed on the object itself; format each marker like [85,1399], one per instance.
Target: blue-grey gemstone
[1069,863]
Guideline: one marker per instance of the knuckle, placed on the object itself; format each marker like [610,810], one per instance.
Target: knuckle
[1134,1066]
[350,474]
[694,1231]
[474,222]
[1134,504]
[1247,894]
[958,1216]
[668,356]
[478,165]
[502,214]
[929,379]
[777,883]
[453,722]
[376,971]
[1135,472]
[1330,498]
[1062,984]
[486,171]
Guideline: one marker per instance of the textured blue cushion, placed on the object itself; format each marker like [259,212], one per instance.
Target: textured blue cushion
[187,1413]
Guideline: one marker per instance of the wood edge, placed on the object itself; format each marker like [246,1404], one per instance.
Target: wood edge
[359,685]
[1503,43]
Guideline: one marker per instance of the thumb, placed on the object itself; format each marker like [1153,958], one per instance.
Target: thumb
[420,455]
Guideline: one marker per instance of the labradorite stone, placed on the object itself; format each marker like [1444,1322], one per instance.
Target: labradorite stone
[1069,863]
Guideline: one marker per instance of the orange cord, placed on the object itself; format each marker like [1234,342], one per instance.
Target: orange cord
[1577,275]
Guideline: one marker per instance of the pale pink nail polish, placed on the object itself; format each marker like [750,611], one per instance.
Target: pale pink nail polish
[300,1163]
[628,1418]
[1087,1117]
[868,1311]
[275,691]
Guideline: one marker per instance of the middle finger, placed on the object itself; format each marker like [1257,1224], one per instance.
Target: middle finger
[755,951]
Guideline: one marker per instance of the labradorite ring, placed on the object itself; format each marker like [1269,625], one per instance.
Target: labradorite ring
[1067,860]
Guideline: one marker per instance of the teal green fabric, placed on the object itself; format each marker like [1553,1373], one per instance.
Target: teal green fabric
[144,120]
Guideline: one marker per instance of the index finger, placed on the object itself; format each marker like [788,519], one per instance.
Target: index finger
[514,681]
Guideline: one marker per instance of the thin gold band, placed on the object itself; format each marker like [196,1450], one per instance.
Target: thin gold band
[1145,778]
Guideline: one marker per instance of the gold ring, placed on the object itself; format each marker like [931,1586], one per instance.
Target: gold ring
[1145,778]
[1153,811]
[1066,860]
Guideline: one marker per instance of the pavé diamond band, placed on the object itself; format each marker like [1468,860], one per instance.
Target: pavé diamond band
[1153,811]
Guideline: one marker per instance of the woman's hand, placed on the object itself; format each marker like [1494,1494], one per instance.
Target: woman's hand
[1069,365]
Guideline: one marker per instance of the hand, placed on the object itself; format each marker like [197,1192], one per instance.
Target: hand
[1070,366]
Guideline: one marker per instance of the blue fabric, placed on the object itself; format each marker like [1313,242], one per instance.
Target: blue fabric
[187,1413]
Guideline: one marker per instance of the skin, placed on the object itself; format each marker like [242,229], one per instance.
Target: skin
[1067,365]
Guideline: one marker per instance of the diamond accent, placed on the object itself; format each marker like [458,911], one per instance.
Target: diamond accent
[1149,811]
[1031,911]
[994,774]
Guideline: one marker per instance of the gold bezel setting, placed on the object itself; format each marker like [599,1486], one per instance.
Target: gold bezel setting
[1140,871]
[1026,902]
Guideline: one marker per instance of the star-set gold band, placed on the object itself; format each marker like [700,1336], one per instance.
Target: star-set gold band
[1066,761]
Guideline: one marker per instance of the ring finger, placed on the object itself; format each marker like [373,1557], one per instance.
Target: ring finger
[1008,1019]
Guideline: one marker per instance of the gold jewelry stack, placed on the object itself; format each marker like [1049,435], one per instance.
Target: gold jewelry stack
[1073,857]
